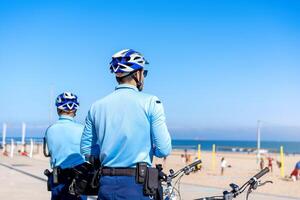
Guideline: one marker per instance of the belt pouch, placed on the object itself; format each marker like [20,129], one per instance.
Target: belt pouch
[56,174]
[141,171]
[151,183]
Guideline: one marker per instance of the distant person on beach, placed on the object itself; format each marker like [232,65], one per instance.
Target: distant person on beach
[188,157]
[129,127]
[262,163]
[223,165]
[63,141]
[295,173]
[270,163]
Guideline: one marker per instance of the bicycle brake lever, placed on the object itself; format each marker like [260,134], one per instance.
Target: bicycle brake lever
[261,184]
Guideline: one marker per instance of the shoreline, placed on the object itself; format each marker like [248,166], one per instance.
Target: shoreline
[241,146]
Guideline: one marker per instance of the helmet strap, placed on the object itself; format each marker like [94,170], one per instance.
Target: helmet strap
[138,83]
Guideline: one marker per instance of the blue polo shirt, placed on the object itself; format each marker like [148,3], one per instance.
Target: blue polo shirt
[126,127]
[297,165]
[63,140]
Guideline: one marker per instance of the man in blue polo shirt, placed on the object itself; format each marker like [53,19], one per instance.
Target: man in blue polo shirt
[125,128]
[63,141]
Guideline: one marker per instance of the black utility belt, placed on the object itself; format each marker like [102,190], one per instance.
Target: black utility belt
[84,179]
[81,179]
[140,172]
[118,172]
[147,176]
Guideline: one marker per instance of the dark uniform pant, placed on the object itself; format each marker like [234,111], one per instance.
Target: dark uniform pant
[120,188]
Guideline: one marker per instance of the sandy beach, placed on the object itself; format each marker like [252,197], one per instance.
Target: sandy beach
[244,166]
[206,182]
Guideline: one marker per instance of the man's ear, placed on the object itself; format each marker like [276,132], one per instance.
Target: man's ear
[136,75]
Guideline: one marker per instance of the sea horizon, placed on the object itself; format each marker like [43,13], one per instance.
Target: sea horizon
[290,147]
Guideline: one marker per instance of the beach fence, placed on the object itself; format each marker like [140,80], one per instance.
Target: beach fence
[20,146]
[29,147]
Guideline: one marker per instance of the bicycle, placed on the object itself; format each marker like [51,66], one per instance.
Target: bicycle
[171,192]
[252,185]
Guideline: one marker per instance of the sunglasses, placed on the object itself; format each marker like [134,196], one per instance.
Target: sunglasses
[145,73]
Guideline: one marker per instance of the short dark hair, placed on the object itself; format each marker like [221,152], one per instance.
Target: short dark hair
[61,112]
[126,78]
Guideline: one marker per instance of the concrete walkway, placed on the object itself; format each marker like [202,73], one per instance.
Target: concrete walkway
[22,178]
[15,185]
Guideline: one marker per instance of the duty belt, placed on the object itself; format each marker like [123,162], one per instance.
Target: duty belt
[118,172]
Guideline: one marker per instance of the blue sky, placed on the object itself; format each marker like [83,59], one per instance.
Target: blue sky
[218,66]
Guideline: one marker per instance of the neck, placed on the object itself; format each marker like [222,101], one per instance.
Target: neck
[131,82]
[69,114]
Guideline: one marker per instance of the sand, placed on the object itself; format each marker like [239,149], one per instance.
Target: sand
[202,183]
[244,166]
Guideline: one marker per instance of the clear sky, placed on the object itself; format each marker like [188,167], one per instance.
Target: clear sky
[218,66]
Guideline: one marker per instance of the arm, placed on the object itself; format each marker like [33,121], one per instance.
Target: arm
[45,145]
[88,144]
[48,146]
[160,135]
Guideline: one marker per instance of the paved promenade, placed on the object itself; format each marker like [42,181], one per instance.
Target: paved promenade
[22,178]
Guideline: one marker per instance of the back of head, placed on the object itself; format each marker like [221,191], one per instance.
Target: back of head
[126,62]
[67,103]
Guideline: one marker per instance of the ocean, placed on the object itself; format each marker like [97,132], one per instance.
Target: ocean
[206,145]
[238,146]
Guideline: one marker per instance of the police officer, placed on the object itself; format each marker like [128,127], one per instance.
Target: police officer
[125,128]
[63,141]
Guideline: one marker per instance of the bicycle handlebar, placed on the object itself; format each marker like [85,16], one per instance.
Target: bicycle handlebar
[262,173]
[197,162]
[185,169]
[235,192]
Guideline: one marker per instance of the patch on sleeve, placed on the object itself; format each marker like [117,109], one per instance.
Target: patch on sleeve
[158,101]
